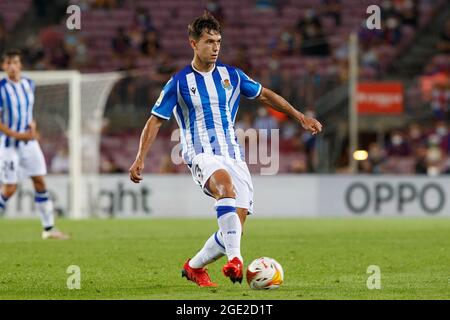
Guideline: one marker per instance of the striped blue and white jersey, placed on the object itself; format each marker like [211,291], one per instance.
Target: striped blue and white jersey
[16,107]
[205,105]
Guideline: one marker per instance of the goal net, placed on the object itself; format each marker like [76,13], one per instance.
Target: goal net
[69,109]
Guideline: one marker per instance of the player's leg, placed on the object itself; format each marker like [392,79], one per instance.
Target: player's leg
[33,164]
[7,191]
[214,247]
[206,168]
[244,205]
[43,203]
[215,243]
[44,206]
[194,269]
[242,213]
[9,175]
[221,186]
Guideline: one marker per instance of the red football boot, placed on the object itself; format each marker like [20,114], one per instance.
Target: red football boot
[233,270]
[198,275]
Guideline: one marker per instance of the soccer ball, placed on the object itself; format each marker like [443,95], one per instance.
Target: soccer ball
[265,273]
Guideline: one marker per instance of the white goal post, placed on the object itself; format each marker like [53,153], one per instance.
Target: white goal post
[69,108]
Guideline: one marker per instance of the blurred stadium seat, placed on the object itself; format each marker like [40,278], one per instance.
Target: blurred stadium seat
[271,43]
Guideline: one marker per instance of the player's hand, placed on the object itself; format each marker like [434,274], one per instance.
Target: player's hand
[136,171]
[312,125]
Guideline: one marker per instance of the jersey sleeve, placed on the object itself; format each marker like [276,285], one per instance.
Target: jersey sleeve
[167,100]
[249,87]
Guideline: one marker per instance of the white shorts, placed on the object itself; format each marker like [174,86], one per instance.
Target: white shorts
[27,160]
[204,165]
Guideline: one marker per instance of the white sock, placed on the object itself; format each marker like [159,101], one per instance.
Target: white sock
[211,251]
[45,208]
[230,226]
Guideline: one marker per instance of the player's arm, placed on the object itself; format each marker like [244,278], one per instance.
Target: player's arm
[278,103]
[25,136]
[148,136]
[161,112]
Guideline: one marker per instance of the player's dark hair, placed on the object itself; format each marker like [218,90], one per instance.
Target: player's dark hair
[205,22]
[11,54]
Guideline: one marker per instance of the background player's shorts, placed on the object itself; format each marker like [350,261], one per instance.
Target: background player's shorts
[204,165]
[27,160]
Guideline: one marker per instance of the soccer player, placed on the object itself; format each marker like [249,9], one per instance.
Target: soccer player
[20,153]
[204,98]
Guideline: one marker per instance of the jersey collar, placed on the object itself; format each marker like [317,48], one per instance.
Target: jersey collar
[201,72]
[14,82]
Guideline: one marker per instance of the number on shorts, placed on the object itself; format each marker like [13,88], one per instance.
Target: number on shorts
[8,165]
[198,173]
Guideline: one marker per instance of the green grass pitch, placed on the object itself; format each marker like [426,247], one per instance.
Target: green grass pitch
[142,259]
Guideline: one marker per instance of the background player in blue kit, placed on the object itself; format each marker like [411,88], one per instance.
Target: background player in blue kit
[20,154]
[204,98]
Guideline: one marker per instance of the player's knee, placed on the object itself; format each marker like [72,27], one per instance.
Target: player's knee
[226,190]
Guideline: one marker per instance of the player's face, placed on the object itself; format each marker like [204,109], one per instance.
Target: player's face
[12,66]
[208,46]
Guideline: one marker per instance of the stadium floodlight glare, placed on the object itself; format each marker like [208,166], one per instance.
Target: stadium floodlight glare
[360,155]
